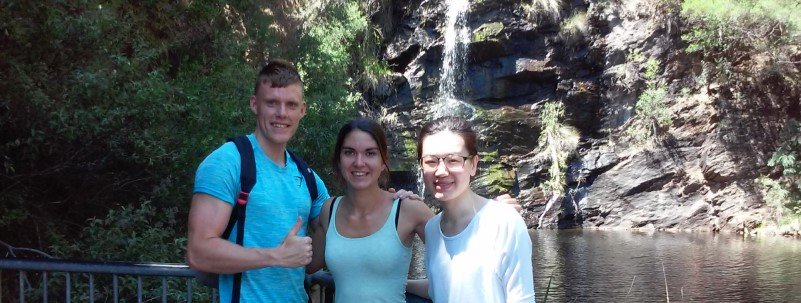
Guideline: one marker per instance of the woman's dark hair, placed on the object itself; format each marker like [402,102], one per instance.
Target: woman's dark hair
[375,131]
[456,125]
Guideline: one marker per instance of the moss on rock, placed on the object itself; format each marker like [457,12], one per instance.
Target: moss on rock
[487,31]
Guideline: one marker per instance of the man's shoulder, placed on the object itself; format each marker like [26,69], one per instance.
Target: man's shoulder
[226,152]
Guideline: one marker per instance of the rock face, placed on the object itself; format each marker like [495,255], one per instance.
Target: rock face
[589,55]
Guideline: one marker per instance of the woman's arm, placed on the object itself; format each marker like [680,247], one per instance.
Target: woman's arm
[413,218]
[319,228]
[418,287]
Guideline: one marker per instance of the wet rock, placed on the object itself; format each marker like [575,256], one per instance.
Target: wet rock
[695,176]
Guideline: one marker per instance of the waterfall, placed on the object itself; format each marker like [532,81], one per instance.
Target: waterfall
[457,37]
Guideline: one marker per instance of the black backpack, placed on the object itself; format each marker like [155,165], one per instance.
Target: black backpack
[247,179]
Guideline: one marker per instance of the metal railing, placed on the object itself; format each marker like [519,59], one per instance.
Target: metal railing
[47,267]
[320,284]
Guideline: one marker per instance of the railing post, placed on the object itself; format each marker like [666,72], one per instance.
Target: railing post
[188,291]
[69,288]
[139,289]
[44,286]
[116,289]
[163,289]
[21,287]
[91,288]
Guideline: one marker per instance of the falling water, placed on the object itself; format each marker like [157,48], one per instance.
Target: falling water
[457,36]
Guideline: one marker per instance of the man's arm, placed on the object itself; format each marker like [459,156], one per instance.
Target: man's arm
[207,251]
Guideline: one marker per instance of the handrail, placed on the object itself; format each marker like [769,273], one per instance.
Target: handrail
[119,268]
[163,270]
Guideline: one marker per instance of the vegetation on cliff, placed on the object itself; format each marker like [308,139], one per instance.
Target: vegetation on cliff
[750,53]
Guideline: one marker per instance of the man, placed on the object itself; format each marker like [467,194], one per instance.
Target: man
[276,247]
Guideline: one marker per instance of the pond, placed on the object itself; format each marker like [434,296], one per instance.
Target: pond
[626,266]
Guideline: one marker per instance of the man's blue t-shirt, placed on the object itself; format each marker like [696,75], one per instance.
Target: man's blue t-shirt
[278,198]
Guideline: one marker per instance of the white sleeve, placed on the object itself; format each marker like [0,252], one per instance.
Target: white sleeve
[517,273]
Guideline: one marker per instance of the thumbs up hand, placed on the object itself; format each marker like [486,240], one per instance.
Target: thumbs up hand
[295,251]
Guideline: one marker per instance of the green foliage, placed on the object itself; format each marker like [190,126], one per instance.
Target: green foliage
[573,30]
[106,104]
[325,66]
[785,11]
[410,146]
[745,38]
[375,71]
[557,142]
[497,178]
[137,233]
[112,102]
[635,56]
[653,115]
[372,73]
[543,9]
[784,192]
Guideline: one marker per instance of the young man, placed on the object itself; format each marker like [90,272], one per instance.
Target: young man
[276,247]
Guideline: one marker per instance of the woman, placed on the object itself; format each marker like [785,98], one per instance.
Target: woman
[477,250]
[366,234]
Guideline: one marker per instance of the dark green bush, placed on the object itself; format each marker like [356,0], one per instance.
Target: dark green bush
[106,104]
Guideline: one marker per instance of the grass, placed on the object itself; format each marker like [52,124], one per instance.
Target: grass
[667,293]
[547,289]
[541,9]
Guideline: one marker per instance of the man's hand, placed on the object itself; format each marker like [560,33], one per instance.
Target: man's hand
[506,198]
[403,194]
[294,251]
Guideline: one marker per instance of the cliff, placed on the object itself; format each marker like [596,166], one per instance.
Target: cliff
[697,166]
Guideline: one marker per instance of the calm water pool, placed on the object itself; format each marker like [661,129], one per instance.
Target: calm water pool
[625,266]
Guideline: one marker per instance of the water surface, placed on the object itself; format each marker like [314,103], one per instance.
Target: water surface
[625,266]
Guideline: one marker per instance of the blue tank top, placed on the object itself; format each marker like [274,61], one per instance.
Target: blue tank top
[368,269]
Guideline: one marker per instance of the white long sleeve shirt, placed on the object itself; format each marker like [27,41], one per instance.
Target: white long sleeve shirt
[489,261]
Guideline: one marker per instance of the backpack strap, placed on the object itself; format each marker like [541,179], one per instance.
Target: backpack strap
[331,209]
[397,213]
[308,175]
[247,179]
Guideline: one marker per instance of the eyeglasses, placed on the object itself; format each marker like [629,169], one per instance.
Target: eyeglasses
[451,161]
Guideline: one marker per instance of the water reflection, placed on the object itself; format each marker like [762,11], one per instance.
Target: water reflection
[623,266]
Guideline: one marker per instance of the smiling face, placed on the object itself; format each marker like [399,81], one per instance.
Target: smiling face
[447,181]
[278,111]
[360,161]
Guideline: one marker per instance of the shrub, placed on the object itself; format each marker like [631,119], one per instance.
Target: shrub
[543,9]
[557,142]
[574,29]
[107,105]
[653,115]
[745,38]
[784,192]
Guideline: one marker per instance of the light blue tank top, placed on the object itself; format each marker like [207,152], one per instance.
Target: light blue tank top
[368,269]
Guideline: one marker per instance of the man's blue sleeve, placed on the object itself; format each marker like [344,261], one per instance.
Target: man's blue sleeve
[218,174]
